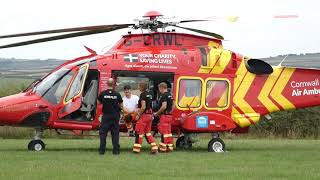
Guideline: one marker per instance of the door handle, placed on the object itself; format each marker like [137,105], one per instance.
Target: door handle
[42,106]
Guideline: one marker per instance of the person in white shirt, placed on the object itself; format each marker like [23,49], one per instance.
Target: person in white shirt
[130,107]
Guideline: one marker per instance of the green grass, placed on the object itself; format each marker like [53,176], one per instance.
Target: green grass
[10,86]
[244,159]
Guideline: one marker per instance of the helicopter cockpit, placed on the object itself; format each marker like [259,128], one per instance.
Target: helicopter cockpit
[52,88]
[74,89]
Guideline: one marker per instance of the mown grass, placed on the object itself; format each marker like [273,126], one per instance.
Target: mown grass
[244,159]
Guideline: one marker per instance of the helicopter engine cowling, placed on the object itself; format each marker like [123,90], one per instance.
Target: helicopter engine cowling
[257,66]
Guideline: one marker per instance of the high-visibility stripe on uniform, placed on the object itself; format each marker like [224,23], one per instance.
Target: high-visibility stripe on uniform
[163,147]
[170,147]
[148,134]
[137,145]
[167,135]
[136,150]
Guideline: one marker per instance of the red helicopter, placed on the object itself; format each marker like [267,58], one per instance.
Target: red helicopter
[215,90]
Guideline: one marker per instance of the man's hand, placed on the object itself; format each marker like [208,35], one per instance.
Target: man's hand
[155,114]
[137,117]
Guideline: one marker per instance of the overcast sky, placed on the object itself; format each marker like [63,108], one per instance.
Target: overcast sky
[255,34]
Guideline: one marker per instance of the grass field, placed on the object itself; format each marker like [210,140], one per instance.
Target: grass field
[244,159]
[10,86]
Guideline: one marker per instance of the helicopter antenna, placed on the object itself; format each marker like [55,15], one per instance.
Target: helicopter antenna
[280,64]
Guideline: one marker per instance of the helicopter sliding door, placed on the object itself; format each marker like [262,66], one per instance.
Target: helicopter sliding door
[72,100]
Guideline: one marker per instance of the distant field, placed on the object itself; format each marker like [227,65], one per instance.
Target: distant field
[10,86]
[14,81]
[245,159]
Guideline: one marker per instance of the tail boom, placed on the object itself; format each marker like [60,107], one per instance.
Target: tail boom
[284,89]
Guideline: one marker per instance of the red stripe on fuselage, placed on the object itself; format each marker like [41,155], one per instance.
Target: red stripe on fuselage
[253,93]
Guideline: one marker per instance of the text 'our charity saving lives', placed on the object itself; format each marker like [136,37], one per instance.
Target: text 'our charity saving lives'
[151,60]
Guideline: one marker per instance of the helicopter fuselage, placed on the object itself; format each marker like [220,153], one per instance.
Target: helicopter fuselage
[214,89]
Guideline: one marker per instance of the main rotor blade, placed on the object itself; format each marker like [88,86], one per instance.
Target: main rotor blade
[217,36]
[85,28]
[193,20]
[65,36]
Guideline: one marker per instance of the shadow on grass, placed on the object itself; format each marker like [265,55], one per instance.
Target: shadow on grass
[129,150]
[94,149]
[146,148]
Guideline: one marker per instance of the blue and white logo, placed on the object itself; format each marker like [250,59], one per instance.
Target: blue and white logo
[202,121]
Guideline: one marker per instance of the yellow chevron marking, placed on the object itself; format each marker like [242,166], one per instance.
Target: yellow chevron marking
[267,87]
[276,93]
[192,102]
[240,119]
[242,84]
[212,58]
[222,62]
[239,76]
[204,70]
[215,44]
[216,47]
[238,98]
[223,100]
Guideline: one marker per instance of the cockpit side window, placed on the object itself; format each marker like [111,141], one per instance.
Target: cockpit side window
[53,87]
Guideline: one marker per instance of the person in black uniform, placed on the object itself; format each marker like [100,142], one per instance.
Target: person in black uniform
[112,105]
[164,113]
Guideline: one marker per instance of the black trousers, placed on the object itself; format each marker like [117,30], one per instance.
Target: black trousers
[109,123]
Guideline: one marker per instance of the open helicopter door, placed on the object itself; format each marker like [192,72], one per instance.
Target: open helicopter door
[72,99]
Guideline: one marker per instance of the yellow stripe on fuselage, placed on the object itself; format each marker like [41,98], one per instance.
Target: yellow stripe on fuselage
[222,62]
[238,98]
[266,89]
[239,76]
[276,92]
[223,100]
[242,84]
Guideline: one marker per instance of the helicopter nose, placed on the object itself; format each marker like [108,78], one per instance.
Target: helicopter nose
[6,112]
[3,113]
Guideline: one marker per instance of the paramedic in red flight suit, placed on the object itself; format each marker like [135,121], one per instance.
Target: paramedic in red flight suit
[164,112]
[144,121]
